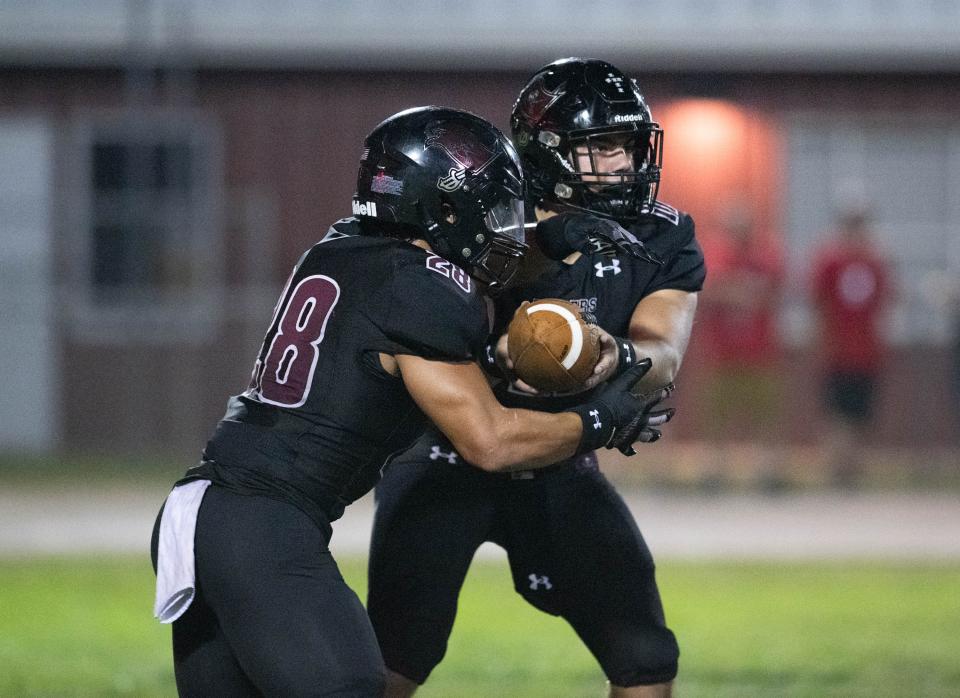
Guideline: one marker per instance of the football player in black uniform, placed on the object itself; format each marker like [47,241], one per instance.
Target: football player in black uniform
[377,330]
[591,154]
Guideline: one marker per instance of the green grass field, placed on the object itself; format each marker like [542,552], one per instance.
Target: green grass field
[82,627]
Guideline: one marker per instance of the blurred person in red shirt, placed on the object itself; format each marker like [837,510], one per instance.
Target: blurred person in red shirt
[740,313]
[851,290]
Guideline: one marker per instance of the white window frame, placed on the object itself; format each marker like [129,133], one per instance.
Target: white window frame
[184,316]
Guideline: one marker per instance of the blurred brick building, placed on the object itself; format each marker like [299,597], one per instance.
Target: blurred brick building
[163,164]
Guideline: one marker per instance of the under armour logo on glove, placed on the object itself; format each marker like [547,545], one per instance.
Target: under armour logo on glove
[437,454]
[626,354]
[614,266]
[536,581]
[628,418]
[597,424]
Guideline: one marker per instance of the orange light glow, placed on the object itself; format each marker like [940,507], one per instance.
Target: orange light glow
[707,125]
[716,152]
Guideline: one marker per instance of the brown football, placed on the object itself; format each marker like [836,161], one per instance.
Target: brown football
[551,346]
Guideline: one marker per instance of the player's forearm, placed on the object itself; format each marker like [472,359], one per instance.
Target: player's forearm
[666,363]
[660,330]
[523,439]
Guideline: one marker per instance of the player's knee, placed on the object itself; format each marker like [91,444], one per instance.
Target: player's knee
[356,681]
[413,659]
[647,660]
[358,673]
[413,634]
[365,675]
[363,684]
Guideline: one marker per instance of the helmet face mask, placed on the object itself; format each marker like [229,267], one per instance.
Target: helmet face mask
[485,217]
[587,140]
[450,178]
[498,263]
[616,172]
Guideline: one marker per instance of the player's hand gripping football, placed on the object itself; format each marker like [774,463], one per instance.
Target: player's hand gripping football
[608,364]
[605,369]
[618,418]
[497,362]
[562,234]
[609,361]
[505,365]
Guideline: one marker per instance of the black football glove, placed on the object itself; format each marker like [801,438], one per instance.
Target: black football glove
[626,354]
[643,427]
[563,234]
[617,418]
[487,358]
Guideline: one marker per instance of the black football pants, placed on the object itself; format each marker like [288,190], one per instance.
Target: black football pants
[272,615]
[573,546]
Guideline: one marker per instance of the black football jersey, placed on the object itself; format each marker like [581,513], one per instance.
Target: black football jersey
[321,416]
[609,287]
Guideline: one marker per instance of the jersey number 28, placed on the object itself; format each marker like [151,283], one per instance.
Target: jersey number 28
[285,374]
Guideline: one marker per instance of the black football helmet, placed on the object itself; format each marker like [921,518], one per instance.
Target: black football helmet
[584,106]
[449,177]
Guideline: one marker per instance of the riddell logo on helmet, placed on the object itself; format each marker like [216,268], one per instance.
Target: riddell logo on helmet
[623,118]
[367,208]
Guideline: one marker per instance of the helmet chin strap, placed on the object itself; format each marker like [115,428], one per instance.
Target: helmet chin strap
[597,208]
[620,202]
[438,241]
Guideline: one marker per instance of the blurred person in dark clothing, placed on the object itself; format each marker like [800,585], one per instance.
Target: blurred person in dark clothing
[851,286]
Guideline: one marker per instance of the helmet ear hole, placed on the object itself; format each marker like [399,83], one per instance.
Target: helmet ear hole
[449,213]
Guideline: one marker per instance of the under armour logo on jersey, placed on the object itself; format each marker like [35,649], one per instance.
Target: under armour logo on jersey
[597,424]
[453,181]
[536,582]
[437,454]
[601,268]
